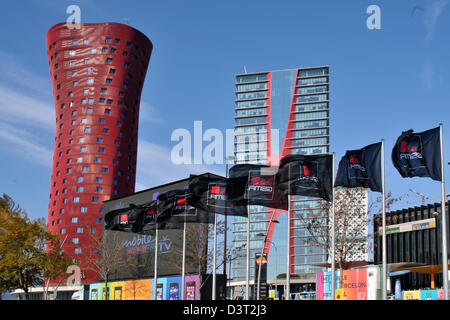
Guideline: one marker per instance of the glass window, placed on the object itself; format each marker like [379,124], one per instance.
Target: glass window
[309,142]
[251,87]
[311,81]
[312,98]
[312,115]
[313,72]
[312,89]
[310,124]
[252,78]
[311,106]
[255,120]
[252,95]
[251,112]
[253,103]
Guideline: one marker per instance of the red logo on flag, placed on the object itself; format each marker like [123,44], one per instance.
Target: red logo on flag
[259,181]
[306,171]
[405,147]
[217,190]
[354,159]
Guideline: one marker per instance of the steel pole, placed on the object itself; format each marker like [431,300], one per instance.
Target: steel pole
[384,251]
[444,222]
[155,278]
[333,237]
[183,263]
[247,275]
[214,259]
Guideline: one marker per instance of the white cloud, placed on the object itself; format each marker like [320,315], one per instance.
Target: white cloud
[432,14]
[147,113]
[18,108]
[24,144]
[154,166]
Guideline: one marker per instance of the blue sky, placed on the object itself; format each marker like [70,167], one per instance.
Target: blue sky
[382,81]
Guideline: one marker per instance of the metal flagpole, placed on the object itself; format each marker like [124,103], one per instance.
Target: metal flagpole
[247,275]
[183,263]
[155,278]
[384,255]
[333,245]
[287,294]
[444,223]
[214,259]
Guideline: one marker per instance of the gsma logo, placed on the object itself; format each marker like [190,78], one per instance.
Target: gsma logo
[217,192]
[411,148]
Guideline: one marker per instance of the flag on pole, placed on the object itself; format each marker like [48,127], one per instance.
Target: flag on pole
[361,168]
[255,185]
[306,175]
[179,206]
[124,219]
[418,154]
[209,194]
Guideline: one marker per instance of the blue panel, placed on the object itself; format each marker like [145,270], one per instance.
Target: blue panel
[282,89]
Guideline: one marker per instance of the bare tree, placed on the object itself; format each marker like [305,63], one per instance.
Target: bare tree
[352,217]
[104,256]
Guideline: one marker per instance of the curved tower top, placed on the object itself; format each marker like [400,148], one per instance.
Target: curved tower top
[97,73]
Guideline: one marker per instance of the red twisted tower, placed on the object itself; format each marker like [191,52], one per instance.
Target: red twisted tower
[97,73]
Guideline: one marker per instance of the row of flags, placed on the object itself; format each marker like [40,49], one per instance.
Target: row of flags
[414,154]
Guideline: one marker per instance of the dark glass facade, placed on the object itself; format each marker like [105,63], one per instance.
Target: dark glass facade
[412,235]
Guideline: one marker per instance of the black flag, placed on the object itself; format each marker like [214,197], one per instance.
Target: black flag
[418,154]
[361,168]
[136,219]
[177,207]
[124,219]
[306,175]
[255,185]
[210,195]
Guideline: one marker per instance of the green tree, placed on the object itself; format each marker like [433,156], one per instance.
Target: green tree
[27,249]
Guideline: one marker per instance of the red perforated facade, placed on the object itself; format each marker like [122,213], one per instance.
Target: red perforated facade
[97,73]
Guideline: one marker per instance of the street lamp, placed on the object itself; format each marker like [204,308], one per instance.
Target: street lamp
[262,252]
[276,257]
